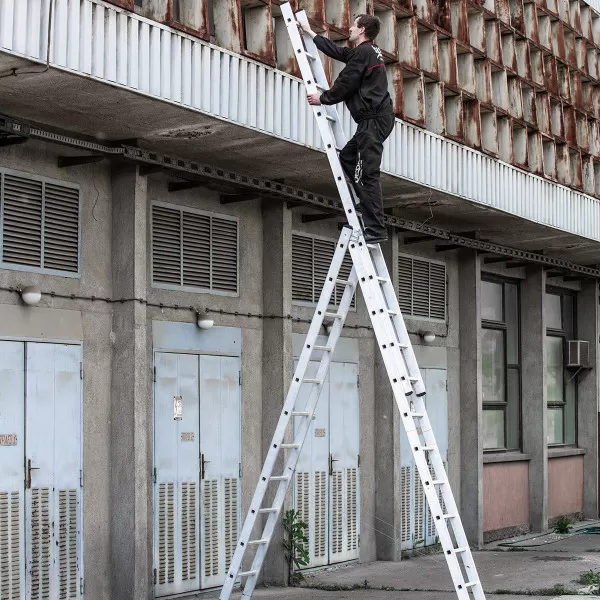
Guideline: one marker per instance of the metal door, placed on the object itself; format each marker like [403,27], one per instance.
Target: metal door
[312,473]
[12,452]
[177,474]
[326,488]
[220,434]
[417,527]
[344,462]
[53,475]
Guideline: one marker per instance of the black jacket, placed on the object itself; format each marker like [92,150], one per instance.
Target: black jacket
[362,84]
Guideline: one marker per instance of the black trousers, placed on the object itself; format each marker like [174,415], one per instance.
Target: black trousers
[361,161]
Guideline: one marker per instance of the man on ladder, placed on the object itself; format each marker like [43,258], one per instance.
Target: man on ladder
[363,86]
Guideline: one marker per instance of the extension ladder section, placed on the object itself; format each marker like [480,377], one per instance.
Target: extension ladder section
[370,272]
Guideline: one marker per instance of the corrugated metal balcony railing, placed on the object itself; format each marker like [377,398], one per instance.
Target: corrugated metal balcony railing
[106,43]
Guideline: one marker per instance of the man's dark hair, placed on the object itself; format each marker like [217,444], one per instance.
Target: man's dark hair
[372,25]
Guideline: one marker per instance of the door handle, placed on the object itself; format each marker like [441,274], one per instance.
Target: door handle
[28,477]
[203,463]
[331,461]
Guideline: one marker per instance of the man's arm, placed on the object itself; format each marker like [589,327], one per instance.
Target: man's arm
[324,45]
[347,84]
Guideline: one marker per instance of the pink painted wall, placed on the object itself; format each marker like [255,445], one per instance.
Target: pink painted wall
[565,485]
[505,495]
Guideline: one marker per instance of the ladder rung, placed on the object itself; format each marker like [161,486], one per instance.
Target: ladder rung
[428,448]
[321,87]
[290,446]
[413,379]
[343,282]
[463,549]
[322,348]
[450,516]
[329,118]
[333,315]
[471,584]
[416,415]
[301,414]
[312,381]
[271,509]
[392,312]
[438,481]
[256,542]
[279,477]
[382,279]
[311,56]
[248,573]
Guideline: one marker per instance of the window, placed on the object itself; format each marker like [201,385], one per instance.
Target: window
[193,249]
[311,258]
[561,386]
[40,224]
[501,370]
[422,287]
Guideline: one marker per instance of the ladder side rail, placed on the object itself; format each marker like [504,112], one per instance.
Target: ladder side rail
[321,114]
[399,323]
[272,454]
[294,453]
[402,389]
[323,84]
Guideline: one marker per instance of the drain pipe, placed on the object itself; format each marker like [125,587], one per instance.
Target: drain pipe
[24,71]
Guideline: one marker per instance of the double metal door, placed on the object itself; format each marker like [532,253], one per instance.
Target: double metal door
[40,471]
[417,528]
[197,470]
[326,490]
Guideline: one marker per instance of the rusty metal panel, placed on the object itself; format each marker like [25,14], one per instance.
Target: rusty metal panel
[454,116]
[257,30]
[435,110]
[563,164]
[459,18]
[500,90]
[570,47]
[466,69]
[128,4]
[576,90]
[520,145]
[594,137]
[551,75]
[586,20]
[503,11]
[569,123]
[558,40]
[549,158]
[489,131]
[583,139]
[414,97]
[581,55]
[538,73]
[493,43]
[544,30]
[515,97]
[483,80]
[531,22]
[157,10]
[424,10]
[337,15]
[592,62]
[428,52]
[530,111]
[523,58]
[448,61]
[477,31]
[395,87]
[315,9]
[576,169]
[575,16]
[408,44]
[589,184]
[563,11]
[190,17]
[387,40]
[472,123]
[517,15]
[557,125]
[509,51]
[564,81]
[535,153]
[505,140]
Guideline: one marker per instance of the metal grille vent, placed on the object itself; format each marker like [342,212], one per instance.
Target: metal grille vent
[405,506]
[40,544]
[421,287]
[303,502]
[10,555]
[67,544]
[188,531]
[320,513]
[337,513]
[211,527]
[191,249]
[311,258]
[231,519]
[40,224]
[352,509]
[166,533]
[419,530]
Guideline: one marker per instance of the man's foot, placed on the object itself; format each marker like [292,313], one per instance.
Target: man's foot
[376,239]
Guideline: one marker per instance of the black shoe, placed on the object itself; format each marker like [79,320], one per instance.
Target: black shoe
[376,239]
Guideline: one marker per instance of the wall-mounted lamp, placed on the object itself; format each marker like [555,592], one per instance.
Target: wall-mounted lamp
[31,295]
[204,321]
[428,336]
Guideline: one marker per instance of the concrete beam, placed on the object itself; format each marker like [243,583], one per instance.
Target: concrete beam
[131,409]
[587,396]
[471,447]
[534,403]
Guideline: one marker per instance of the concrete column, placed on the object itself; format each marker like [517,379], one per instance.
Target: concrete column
[388,495]
[278,352]
[471,445]
[534,402]
[587,396]
[131,416]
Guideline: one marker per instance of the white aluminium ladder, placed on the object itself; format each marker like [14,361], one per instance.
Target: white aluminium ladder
[370,272]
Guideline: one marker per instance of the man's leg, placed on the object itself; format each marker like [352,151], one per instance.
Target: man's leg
[370,136]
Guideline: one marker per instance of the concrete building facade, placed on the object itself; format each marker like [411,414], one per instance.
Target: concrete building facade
[154,175]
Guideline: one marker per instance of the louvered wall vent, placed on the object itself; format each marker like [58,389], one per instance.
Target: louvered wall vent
[311,258]
[194,250]
[421,287]
[40,223]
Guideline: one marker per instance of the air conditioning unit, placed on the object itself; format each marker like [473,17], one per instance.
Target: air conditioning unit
[578,354]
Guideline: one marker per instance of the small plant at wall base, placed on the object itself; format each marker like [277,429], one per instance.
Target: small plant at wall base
[562,525]
[294,542]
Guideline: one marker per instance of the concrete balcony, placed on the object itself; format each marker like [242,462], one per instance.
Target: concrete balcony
[114,75]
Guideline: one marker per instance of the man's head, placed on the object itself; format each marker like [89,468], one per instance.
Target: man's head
[365,27]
